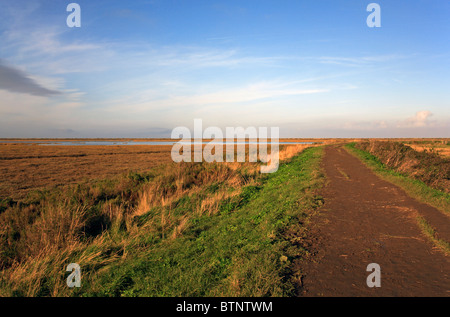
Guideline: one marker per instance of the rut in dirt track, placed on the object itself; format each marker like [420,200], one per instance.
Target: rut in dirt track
[368,220]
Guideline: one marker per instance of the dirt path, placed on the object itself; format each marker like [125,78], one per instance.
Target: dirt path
[367,220]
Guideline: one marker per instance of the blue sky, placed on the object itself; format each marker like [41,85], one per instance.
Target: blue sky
[140,69]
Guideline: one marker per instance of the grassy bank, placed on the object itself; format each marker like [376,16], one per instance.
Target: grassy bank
[413,186]
[426,166]
[179,230]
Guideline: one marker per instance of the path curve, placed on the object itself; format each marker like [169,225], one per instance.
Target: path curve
[368,220]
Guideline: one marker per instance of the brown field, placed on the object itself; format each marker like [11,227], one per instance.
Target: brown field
[28,166]
[25,167]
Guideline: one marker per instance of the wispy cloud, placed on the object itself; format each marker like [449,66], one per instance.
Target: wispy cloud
[234,97]
[98,78]
[419,120]
[366,125]
[252,92]
[16,80]
[359,61]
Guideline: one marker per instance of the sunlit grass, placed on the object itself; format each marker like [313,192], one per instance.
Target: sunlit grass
[178,229]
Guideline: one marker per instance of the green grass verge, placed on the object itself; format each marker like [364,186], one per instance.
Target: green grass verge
[245,250]
[429,231]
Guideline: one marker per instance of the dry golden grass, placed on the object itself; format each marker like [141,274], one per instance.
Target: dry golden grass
[154,195]
[289,151]
[441,150]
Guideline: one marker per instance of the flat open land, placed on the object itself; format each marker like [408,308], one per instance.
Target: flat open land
[368,220]
[310,229]
[24,167]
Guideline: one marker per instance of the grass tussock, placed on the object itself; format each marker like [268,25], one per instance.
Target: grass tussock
[161,223]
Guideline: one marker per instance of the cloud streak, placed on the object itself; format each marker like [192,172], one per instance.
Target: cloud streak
[17,81]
